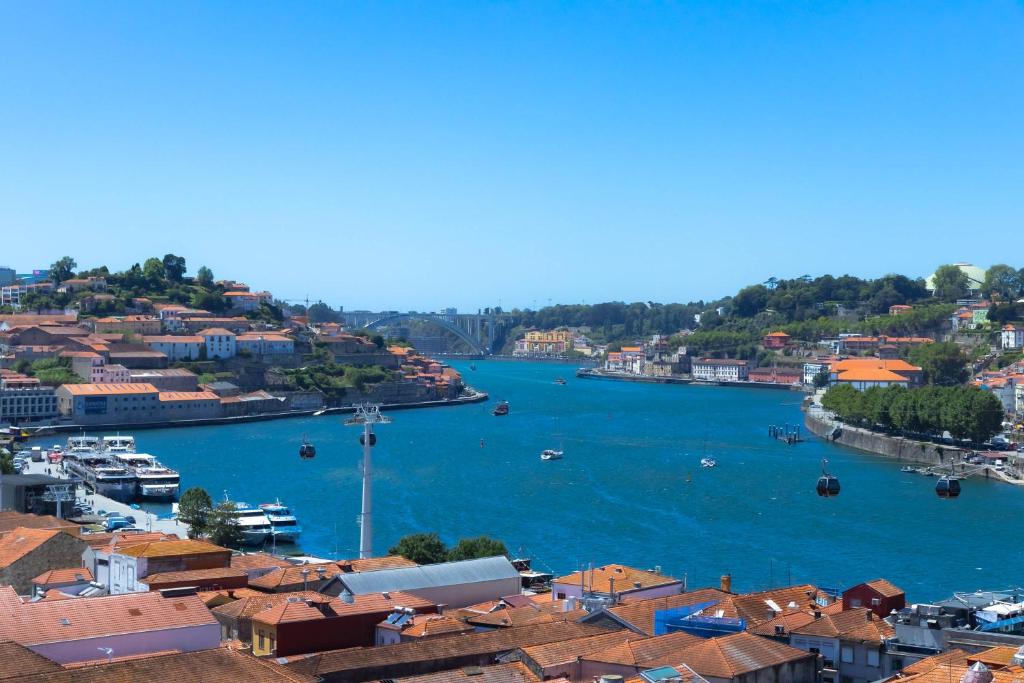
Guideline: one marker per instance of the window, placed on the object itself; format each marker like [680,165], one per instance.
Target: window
[854,602]
[875,602]
[262,643]
[560,596]
[846,654]
[872,657]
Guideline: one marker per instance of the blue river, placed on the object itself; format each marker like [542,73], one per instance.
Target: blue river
[630,488]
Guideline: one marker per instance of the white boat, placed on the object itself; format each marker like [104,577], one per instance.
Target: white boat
[118,444]
[102,474]
[707,462]
[154,480]
[283,524]
[252,523]
[551,454]
[83,444]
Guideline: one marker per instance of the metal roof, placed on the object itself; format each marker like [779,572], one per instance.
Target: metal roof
[430,576]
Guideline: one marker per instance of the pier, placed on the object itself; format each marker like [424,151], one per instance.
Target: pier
[787,433]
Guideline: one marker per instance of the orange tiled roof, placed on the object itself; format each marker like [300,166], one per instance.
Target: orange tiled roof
[215,331]
[172,548]
[858,624]
[63,576]
[561,652]
[21,541]
[288,611]
[425,625]
[648,652]
[170,396]
[640,614]
[733,656]
[870,375]
[17,661]
[258,561]
[617,577]
[884,588]
[513,672]
[109,389]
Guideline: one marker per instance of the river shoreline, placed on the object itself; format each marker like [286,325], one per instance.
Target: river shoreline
[473,397]
[645,379]
[897,448]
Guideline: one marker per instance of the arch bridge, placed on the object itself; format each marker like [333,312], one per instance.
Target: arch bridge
[478,331]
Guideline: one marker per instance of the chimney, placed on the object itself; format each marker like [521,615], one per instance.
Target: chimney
[611,587]
[817,614]
[636,584]
[869,615]
[726,583]
[347,597]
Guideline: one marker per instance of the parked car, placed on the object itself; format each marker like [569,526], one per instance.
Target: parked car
[131,519]
[115,523]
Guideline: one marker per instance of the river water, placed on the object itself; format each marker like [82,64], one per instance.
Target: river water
[621,493]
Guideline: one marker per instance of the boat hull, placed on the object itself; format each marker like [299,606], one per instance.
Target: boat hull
[158,491]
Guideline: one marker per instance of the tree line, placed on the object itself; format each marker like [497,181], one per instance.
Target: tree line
[965,412]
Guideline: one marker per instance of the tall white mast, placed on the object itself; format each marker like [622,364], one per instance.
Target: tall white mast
[367,415]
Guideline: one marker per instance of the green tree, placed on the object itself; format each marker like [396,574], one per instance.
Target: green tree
[209,301]
[194,508]
[944,363]
[6,462]
[1003,281]
[63,269]
[222,526]
[950,283]
[421,548]
[821,380]
[174,267]
[204,277]
[472,548]
[153,271]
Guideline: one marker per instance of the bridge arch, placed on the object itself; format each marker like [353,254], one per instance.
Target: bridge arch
[435,319]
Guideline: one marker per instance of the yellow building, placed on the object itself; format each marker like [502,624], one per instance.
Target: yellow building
[544,342]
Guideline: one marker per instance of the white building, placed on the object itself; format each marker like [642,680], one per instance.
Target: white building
[219,343]
[1012,337]
[720,369]
[265,344]
[175,347]
[812,370]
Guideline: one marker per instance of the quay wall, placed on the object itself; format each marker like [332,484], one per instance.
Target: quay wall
[902,450]
[652,379]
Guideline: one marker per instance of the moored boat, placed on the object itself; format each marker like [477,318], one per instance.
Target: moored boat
[155,481]
[551,454]
[501,408]
[253,525]
[283,524]
[102,474]
[560,380]
[707,462]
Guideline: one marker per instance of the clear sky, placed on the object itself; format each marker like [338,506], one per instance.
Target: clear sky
[415,155]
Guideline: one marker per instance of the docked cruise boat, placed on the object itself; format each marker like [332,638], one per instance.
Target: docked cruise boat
[155,481]
[252,523]
[115,445]
[83,444]
[102,474]
[283,524]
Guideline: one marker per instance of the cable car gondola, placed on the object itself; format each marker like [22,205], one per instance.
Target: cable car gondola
[948,486]
[307,451]
[828,485]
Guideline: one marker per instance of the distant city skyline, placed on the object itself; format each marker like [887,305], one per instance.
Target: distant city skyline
[450,154]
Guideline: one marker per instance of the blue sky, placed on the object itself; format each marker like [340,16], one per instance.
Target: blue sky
[414,155]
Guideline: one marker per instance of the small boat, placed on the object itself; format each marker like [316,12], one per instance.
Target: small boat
[283,524]
[559,380]
[501,408]
[707,462]
[551,454]
[319,412]
[907,468]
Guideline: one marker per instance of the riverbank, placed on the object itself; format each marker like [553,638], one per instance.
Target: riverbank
[471,396]
[596,373]
[900,449]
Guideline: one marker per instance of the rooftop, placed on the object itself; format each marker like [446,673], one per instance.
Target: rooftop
[127,388]
[69,575]
[172,548]
[732,656]
[617,577]
[513,672]
[426,576]
[17,661]
[20,542]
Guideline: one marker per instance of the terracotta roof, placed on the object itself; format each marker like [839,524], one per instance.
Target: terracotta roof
[741,653]
[21,542]
[513,672]
[375,563]
[17,661]
[292,576]
[893,364]
[858,624]
[10,520]
[219,664]
[110,542]
[563,651]
[215,331]
[640,614]
[170,338]
[520,616]
[430,650]
[172,548]
[426,625]
[944,673]
[617,577]
[884,588]
[66,620]
[200,576]
[754,607]
[255,602]
[998,657]
[377,602]
[929,663]
[109,389]
[647,652]
[289,611]
[788,621]
[870,375]
[258,561]
[69,575]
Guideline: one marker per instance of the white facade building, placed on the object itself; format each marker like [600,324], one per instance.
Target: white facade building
[720,369]
[1012,337]
[176,347]
[219,343]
